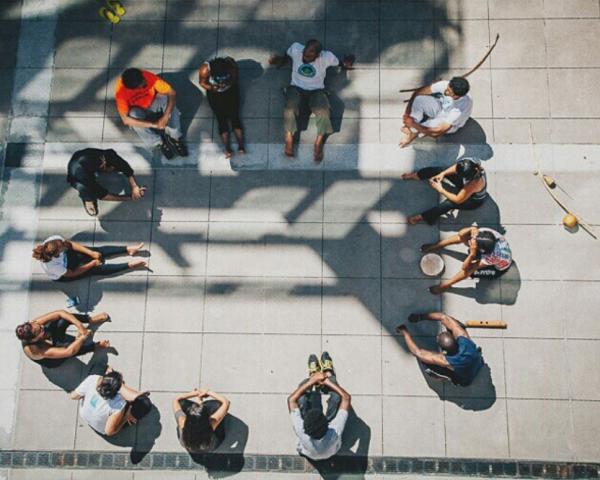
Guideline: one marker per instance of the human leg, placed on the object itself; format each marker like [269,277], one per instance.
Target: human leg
[319,106]
[293,100]
[236,122]
[432,214]
[424,107]
[458,276]
[489,272]
[149,136]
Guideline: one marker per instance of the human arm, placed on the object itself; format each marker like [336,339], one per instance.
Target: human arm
[77,272]
[64,352]
[117,421]
[472,262]
[345,404]
[296,394]
[347,62]
[449,322]
[204,76]
[426,356]
[162,122]
[217,417]
[134,122]
[433,132]
[77,247]
[279,61]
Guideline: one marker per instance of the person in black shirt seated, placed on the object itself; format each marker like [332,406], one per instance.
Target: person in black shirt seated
[82,172]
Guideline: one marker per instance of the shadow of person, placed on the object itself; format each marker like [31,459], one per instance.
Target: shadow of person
[352,460]
[503,291]
[486,215]
[473,140]
[228,458]
[147,431]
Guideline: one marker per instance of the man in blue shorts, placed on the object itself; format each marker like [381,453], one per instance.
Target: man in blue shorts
[460,359]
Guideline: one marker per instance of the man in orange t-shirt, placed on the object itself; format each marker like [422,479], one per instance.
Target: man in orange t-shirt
[146,103]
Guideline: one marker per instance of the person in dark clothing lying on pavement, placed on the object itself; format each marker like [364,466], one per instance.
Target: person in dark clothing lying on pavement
[460,359]
[84,167]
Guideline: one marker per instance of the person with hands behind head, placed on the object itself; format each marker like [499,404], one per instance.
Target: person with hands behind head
[464,186]
[319,435]
[309,68]
[219,77]
[489,255]
[66,260]
[199,415]
[82,172]
[108,405]
[459,359]
[45,339]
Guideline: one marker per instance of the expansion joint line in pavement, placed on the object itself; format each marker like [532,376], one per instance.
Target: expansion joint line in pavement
[294,464]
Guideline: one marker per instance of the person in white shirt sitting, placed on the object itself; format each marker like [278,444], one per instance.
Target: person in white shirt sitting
[107,404]
[309,67]
[437,109]
[319,435]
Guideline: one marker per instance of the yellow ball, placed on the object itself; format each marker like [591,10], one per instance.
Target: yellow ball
[570,221]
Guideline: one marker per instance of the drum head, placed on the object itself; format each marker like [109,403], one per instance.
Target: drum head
[432,264]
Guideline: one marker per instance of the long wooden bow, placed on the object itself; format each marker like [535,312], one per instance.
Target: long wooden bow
[470,71]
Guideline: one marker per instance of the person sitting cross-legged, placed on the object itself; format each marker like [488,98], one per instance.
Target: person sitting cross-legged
[68,260]
[108,405]
[309,67]
[319,435]
[146,103]
[199,415]
[45,339]
[460,359]
[464,186]
[437,109]
[489,255]
[82,173]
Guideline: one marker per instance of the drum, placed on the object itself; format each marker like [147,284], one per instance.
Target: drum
[432,264]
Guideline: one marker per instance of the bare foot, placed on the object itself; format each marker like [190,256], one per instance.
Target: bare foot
[414,219]
[241,150]
[289,145]
[100,318]
[318,152]
[228,153]
[131,251]
[436,289]
[409,176]
[104,344]
[139,263]
[408,138]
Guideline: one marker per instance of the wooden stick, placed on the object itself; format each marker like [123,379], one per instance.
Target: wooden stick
[406,90]
[485,324]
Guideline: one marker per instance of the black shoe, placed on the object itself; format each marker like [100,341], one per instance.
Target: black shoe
[166,149]
[326,362]
[179,146]
[313,364]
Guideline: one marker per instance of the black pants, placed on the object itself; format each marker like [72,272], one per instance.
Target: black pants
[76,259]
[453,184]
[312,399]
[60,338]
[226,107]
[86,194]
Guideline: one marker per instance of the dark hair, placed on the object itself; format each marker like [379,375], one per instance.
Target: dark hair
[132,78]
[459,85]
[468,169]
[110,385]
[219,66]
[24,332]
[447,342]
[314,45]
[45,252]
[486,241]
[197,433]
[315,423]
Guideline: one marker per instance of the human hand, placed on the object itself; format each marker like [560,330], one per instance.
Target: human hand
[96,255]
[318,377]
[276,61]
[161,124]
[437,186]
[438,178]
[130,419]
[138,192]
[408,120]
[348,62]
[472,246]
[201,392]
[84,333]
[400,329]
[96,262]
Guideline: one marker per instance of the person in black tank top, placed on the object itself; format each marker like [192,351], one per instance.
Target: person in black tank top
[45,339]
[219,77]
[464,185]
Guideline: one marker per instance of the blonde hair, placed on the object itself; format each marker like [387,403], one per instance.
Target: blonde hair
[44,252]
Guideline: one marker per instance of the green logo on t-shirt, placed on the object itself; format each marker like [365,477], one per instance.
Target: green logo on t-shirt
[307,70]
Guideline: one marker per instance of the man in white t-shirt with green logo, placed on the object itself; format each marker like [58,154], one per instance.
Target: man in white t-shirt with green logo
[437,109]
[309,67]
